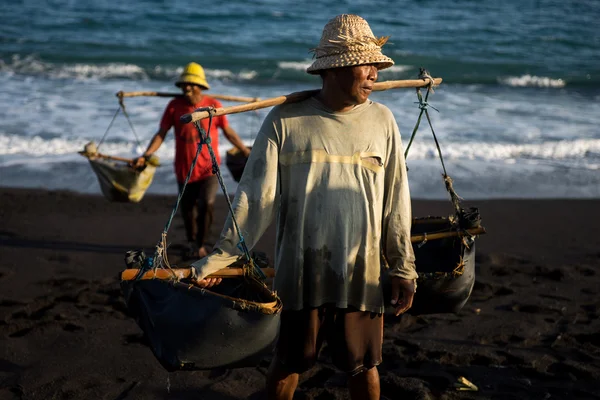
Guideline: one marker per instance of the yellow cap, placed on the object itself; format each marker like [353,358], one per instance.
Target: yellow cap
[193,73]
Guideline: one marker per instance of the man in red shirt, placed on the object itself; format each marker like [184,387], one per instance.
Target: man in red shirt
[200,193]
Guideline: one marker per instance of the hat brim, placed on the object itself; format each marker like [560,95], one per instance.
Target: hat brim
[350,59]
[194,80]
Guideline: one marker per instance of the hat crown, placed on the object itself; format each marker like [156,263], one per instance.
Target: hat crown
[193,69]
[193,73]
[347,32]
[347,41]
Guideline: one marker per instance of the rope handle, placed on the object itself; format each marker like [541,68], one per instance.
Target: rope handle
[121,108]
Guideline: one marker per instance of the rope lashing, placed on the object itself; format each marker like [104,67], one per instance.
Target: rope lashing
[423,105]
[424,240]
[455,198]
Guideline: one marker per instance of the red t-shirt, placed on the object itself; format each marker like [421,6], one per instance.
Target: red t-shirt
[187,137]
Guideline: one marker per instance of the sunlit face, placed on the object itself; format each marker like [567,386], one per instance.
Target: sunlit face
[355,83]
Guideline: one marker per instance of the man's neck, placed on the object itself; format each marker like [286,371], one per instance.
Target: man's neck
[195,99]
[332,101]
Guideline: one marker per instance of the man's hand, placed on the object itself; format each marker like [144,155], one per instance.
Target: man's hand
[403,292]
[138,162]
[246,152]
[208,282]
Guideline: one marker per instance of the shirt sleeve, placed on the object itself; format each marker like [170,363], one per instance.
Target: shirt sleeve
[254,206]
[221,121]
[397,214]
[166,121]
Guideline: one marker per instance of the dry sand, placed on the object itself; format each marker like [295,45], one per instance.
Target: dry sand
[529,331]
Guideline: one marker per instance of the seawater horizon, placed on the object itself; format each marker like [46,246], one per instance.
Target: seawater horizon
[518,108]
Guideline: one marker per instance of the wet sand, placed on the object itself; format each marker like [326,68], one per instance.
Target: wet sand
[529,331]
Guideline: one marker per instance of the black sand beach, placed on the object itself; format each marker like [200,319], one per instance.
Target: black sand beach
[529,331]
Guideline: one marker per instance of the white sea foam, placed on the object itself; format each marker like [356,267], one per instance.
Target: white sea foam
[303,65]
[579,149]
[496,143]
[531,80]
[295,65]
[396,69]
[32,65]
[584,151]
[109,71]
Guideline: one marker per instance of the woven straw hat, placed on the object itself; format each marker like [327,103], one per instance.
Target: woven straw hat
[347,40]
[193,73]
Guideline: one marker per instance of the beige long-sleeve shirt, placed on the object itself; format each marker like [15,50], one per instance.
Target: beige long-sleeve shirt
[336,184]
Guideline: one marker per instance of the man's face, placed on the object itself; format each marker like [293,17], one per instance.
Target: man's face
[190,90]
[355,83]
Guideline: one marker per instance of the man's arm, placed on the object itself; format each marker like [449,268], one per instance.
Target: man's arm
[155,143]
[397,220]
[254,205]
[235,140]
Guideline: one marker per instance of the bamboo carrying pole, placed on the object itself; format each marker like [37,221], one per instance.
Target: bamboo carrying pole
[442,235]
[299,96]
[224,97]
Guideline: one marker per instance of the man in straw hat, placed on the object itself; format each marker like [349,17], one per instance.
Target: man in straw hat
[331,170]
[198,200]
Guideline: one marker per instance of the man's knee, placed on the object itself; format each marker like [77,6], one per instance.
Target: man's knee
[299,365]
[361,369]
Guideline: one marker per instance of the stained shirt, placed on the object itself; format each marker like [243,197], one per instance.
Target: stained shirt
[187,137]
[336,184]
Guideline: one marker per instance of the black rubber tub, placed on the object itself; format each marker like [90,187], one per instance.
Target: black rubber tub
[234,324]
[446,269]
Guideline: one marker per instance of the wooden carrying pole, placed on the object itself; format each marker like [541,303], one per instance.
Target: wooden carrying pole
[223,97]
[299,96]
[442,235]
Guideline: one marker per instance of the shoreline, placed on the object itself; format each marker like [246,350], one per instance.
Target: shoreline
[530,328]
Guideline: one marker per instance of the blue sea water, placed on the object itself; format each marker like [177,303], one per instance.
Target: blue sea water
[519,109]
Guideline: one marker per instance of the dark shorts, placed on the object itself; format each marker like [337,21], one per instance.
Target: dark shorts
[354,338]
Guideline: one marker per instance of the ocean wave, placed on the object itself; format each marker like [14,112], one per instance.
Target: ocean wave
[580,150]
[572,150]
[303,65]
[242,70]
[223,74]
[531,80]
[295,65]
[36,146]
[32,65]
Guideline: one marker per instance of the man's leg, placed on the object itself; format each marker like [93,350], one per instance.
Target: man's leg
[365,385]
[187,208]
[206,197]
[281,384]
[300,339]
[355,338]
